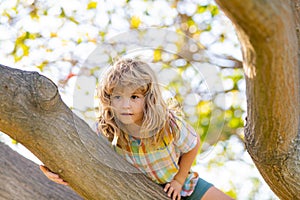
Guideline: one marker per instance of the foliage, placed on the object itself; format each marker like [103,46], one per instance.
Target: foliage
[56,38]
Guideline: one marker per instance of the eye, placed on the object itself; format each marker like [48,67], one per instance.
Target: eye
[116,97]
[134,97]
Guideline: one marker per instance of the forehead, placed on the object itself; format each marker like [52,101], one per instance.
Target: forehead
[125,90]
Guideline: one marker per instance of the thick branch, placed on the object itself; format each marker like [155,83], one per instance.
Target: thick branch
[267,32]
[33,113]
[21,179]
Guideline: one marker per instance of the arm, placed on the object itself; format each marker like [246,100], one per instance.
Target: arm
[185,163]
[186,160]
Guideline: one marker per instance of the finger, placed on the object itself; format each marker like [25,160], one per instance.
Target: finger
[48,173]
[175,195]
[170,191]
[44,168]
[52,175]
[56,179]
[59,181]
[63,182]
[167,187]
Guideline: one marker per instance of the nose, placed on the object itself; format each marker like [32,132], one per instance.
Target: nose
[126,103]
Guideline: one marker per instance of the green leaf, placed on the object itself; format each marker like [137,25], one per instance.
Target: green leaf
[214,10]
[201,9]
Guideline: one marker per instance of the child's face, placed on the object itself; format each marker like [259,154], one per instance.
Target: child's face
[128,106]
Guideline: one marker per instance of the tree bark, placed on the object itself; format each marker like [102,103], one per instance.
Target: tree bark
[269,34]
[21,179]
[33,114]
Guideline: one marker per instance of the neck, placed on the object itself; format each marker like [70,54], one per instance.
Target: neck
[133,130]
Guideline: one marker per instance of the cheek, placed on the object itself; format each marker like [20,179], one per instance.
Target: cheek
[114,108]
[142,106]
[114,104]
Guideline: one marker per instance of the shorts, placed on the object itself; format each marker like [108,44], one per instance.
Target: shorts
[200,189]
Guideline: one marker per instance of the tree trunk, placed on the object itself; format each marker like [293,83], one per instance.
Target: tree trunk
[269,34]
[33,114]
[21,179]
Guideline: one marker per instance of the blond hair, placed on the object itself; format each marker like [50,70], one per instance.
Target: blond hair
[134,74]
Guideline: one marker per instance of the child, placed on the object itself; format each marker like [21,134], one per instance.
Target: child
[136,120]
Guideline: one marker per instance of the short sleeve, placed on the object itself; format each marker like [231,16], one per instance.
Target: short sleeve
[186,138]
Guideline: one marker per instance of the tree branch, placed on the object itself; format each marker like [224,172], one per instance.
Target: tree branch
[33,114]
[21,179]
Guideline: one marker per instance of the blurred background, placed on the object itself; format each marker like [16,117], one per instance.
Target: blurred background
[190,44]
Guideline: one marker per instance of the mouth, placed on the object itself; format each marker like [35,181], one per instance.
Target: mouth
[126,114]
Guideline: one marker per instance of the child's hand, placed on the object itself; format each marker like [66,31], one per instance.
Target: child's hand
[173,189]
[52,176]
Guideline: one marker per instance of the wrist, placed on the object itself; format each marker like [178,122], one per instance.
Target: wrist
[179,180]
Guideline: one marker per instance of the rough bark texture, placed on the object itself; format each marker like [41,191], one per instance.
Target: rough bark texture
[21,179]
[269,33]
[33,114]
